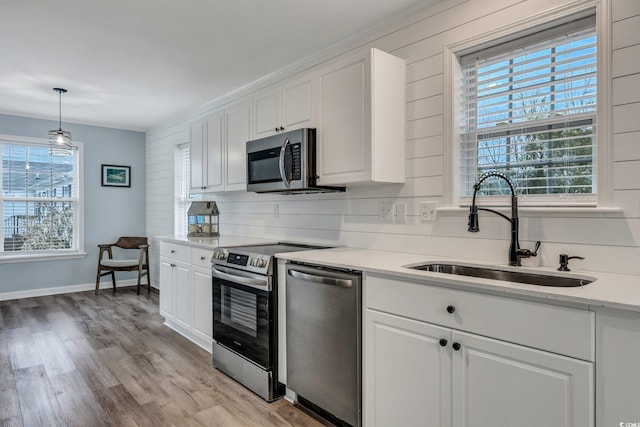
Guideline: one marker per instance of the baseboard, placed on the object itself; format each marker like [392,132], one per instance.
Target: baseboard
[5,296]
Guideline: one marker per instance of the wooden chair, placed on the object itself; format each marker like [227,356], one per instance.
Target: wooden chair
[110,265]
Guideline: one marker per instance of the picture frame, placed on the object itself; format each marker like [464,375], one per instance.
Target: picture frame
[116,176]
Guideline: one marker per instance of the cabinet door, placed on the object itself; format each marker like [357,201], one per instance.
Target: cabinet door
[167,288]
[618,367]
[238,121]
[182,294]
[197,155]
[266,116]
[344,137]
[202,303]
[298,110]
[215,152]
[407,372]
[500,384]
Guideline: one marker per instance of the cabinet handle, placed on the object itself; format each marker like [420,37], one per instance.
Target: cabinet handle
[450,309]
[172,251]
[443,342]
[172,265]
[281,128]
[456,346]
[202,258]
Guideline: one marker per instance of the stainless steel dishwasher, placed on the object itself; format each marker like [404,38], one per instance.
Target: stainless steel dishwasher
[324,342]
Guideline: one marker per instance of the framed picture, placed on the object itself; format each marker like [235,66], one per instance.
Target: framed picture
[116,176]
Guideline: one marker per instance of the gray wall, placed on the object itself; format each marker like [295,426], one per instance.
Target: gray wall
[109,212]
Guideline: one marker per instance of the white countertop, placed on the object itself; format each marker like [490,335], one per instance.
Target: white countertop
[214,242]
[609,290]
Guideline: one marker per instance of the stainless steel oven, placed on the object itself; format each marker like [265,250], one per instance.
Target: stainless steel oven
[245,312]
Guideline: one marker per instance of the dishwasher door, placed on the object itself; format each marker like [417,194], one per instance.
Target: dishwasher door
[324,339]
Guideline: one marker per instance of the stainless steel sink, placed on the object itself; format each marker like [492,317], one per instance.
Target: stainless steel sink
[527,277]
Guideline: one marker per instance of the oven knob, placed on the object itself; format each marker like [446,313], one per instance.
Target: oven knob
[252,263]
[261,263]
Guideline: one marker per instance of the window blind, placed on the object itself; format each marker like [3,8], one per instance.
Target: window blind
[530,112]
[182,177]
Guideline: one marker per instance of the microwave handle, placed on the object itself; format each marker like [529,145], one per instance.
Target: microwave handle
[283,173]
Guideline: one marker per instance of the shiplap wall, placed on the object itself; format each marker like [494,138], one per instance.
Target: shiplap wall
[608,241]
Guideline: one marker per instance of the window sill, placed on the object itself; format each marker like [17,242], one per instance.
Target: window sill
[6,259]
[554,211]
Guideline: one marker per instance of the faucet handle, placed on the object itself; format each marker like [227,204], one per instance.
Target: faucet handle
[527,253]
[564,261]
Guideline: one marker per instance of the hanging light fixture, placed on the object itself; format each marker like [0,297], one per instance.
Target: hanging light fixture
[60,138]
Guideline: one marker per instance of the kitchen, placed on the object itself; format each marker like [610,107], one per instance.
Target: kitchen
[388,216]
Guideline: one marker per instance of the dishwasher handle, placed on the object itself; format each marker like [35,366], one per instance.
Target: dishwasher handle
[323,280]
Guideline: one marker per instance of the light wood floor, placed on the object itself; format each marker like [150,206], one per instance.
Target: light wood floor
[81,360]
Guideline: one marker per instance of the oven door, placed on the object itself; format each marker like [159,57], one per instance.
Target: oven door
[243,314]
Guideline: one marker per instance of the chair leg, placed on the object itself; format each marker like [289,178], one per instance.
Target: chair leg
[98,281]
[139,273]
[113,280]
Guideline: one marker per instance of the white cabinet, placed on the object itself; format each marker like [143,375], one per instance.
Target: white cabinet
[618,367]
[207,150]
[186,291]
[456,362]
[238,126]
[361,136]
[407,372]
[284,108]
[202,303]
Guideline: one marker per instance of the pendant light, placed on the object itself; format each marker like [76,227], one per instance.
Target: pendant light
[60,138]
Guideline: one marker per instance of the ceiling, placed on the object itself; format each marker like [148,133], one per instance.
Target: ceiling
[135,64]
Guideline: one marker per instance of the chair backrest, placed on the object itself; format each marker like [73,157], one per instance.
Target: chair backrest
[131,242]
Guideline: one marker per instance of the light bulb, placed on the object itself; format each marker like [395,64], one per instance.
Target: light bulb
[60,139]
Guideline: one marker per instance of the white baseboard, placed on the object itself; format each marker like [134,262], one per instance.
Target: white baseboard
[5,296]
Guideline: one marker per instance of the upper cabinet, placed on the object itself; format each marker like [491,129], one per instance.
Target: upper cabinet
[284,108]
[238,123]
[207,152]
[218,153]
[361,132]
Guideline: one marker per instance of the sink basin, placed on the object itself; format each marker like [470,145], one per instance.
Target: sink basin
[505,275]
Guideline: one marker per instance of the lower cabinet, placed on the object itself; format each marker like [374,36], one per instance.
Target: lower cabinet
[186,292]
[418,373]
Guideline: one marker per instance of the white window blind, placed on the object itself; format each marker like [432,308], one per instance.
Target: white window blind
[181,175]
[39,198]
[530,112]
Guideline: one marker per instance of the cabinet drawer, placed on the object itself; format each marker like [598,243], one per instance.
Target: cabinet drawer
[175,251]
[553,328]
[201,257]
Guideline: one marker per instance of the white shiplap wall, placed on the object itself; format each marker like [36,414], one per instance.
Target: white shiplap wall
[609,241]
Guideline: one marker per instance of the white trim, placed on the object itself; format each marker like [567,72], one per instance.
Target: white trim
[12,257]
[572,212]
[58,290]
[451,178]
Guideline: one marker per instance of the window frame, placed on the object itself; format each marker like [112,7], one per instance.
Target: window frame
[78,249]
[452,111]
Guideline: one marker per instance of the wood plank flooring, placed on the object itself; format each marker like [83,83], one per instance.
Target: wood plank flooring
[84,360]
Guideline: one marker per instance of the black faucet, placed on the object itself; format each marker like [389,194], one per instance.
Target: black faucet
[515,253]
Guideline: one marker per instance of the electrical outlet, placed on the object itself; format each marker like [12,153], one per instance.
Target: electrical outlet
[428,211]
[386,211]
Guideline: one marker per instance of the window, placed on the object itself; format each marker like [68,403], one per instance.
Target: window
[40,206]
[182,185]
[529,110]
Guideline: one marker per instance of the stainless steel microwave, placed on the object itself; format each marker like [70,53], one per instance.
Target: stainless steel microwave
[284,163]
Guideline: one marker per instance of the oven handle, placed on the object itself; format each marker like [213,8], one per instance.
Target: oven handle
[283,173]
[324,280]
[261,284]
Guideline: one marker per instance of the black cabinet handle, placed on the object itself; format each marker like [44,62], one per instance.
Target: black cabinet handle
[450,309]
[456,346]
[172,251]
[276,129]
[281,128]
[443,342]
